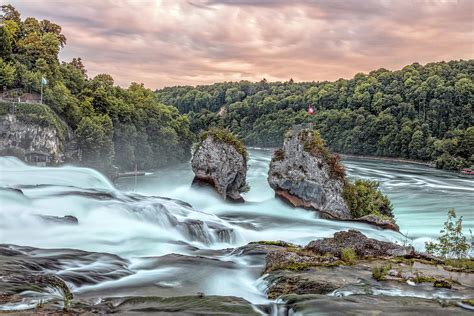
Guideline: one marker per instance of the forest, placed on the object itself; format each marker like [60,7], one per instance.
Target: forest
[113,125]
[421,112]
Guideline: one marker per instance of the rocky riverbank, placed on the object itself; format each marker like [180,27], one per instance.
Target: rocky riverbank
[351,272]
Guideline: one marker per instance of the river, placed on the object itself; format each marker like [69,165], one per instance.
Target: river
[130,219]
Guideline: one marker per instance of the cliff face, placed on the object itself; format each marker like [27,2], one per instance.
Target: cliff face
[305,180]
[305,174]
[20,138]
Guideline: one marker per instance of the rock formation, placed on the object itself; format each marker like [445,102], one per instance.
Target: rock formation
[29,140]
[362,245]
[305,174]
[304,179]
[323,270]
[221,161]
[24,137]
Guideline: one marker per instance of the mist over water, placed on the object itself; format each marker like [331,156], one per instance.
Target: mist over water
[168,230]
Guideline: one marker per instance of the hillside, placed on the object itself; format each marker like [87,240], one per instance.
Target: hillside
[113,125]
[419,112]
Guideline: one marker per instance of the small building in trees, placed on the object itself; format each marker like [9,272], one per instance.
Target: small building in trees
[38,158]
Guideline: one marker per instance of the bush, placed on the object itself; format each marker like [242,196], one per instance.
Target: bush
[364,197]
[226,137]
[380,272]
[348,255]
[462,264]
[452,242]
[316,146]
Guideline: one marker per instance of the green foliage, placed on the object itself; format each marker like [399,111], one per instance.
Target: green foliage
[452,243]
[364,197]
[380,272]
[461,264]
[418,112]
[95,138]
[348,255]
[36,114]
[126,127]
[442,284]
[316,146]
[469,302]
[7,74]
[227,137]
[420,278]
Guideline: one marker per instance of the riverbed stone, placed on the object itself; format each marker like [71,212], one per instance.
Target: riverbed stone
[362,245]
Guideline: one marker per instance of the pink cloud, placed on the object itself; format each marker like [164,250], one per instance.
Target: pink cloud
[163,43]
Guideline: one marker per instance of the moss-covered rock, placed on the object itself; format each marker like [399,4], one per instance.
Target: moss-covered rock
[220,160]
[306,174]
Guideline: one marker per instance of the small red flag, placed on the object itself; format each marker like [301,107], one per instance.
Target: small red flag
[310,110]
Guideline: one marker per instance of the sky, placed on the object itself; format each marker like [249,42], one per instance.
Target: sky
[189,42]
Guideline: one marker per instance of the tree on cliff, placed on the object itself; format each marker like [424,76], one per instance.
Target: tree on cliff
[125,126]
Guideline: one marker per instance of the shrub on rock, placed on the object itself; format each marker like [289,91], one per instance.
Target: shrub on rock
[306,174]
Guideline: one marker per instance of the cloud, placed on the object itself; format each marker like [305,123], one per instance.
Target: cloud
[168,42]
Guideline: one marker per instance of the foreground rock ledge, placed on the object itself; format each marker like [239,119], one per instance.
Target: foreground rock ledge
[307,175]
[220,164]
[323,277]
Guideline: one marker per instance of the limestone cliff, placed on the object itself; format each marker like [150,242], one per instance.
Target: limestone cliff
[305,179]
[20,137]
[220,161]
[304,173]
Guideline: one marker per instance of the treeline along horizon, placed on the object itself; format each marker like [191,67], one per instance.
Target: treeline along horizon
[419,112]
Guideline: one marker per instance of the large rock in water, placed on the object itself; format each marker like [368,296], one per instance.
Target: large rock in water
[305,174]
[305,179]
[222,164]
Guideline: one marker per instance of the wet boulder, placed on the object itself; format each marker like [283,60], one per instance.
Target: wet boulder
[361,244]
[220,160]
[64,220]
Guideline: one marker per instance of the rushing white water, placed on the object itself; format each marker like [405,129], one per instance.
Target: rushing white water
[132,221]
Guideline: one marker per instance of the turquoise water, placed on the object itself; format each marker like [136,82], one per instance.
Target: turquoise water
[421,196]
[130,219]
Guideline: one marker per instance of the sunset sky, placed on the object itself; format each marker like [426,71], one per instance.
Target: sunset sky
[164,43]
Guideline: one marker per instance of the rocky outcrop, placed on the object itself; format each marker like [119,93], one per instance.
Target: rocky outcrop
[64,220]
[305,174]
[20,138]
[322,270]
[221,164]
[306,180]
[26,270]
[361,244]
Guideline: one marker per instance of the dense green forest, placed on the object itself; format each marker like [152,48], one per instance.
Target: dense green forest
[419,112]
[113,125]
